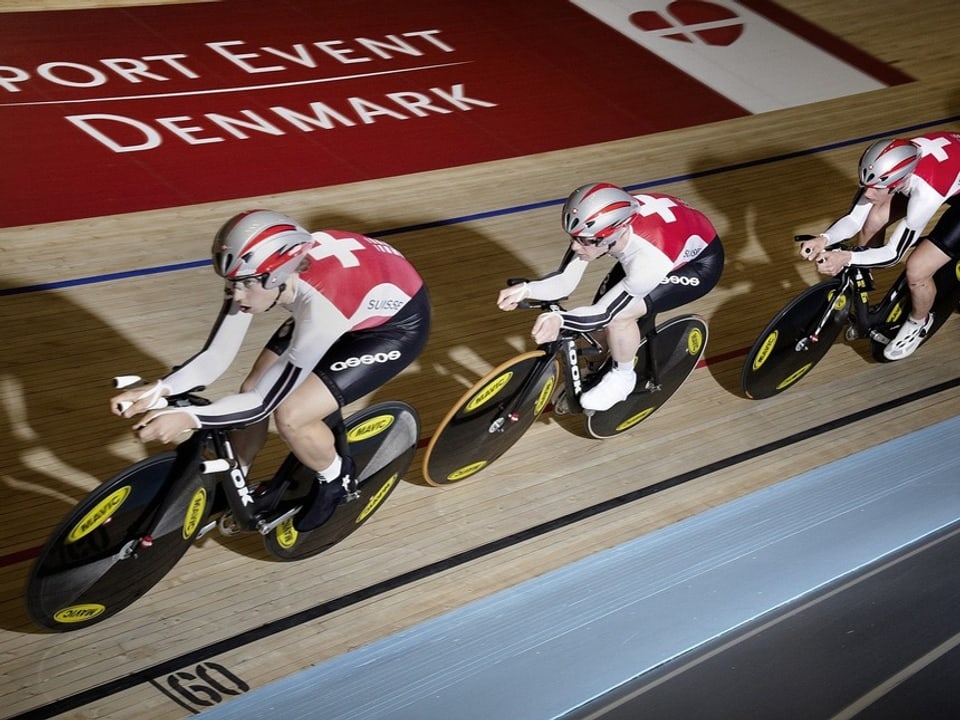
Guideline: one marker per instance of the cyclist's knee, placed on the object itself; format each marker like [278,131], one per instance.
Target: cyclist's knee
[310,403]
[293,424]
[917,275]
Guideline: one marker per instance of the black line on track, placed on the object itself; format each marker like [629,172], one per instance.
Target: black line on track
[194,657]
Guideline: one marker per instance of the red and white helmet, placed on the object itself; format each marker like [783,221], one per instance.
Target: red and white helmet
[887,163]
[260,243]
[594,211]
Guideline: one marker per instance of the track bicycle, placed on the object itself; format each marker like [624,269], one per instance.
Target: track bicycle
[800,335]
[495,413]
[129,532]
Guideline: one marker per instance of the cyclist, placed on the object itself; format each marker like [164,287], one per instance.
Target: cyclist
[359,314]
[904,182]
[667,255]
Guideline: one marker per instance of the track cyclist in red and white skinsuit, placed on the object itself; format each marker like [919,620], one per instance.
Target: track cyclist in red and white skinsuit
[906,181]
[667,255]
[359,314]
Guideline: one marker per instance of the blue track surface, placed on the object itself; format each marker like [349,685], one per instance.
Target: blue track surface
[549,645]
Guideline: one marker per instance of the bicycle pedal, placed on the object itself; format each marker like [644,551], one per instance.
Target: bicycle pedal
[265,527]
[227,525]
[351,496]
[205,529]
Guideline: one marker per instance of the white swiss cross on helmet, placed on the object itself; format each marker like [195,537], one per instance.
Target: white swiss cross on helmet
[593,212]
[260,243]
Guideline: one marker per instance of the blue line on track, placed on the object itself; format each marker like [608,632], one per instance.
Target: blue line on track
[176,267]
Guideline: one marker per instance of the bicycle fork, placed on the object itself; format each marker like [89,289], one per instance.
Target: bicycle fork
[842,291]
[510,411]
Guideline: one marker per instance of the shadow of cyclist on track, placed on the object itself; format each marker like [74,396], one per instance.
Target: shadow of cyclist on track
[58,439]
[759,212]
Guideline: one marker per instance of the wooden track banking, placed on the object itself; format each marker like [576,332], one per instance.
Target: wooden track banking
[762,179]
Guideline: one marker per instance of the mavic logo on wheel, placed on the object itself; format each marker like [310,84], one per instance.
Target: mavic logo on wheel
[466,471]
[99,515]
[544,397]
[194,513]
[488,391]
[377,499]
[79,613]
[369,428]
[635,419]
[791,379]
[765,349]
[365,360]
[694,342]
[286,534]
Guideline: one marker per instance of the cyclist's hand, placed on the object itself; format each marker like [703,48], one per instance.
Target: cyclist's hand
[510,296]
[831,262]
[812,249]
[166,426]
[547,327]
[139,399]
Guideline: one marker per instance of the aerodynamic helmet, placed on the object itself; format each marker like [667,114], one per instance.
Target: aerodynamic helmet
[887,163]
[260,243]
[594,211]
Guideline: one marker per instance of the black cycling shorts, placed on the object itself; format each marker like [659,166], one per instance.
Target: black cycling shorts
[946,233]
[681,286]
[362,361]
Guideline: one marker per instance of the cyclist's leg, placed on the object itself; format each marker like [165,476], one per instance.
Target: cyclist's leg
[931,254]
[623,340]
[922,264]
[301,422]
[615,275]
[679,287]
[682,286]
[356,365]
[248,441]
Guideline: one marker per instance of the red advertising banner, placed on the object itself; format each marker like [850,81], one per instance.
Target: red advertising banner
[117,110]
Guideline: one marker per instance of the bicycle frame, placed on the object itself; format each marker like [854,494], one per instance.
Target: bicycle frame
[245,513]
[854,287]
[216,455]
[564,349]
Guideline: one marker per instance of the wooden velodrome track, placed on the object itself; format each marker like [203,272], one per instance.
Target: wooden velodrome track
[761,178]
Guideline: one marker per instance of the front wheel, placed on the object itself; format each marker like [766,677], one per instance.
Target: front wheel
[383,440]
[490,417]
[791,344]
[677,347]
[112,547]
